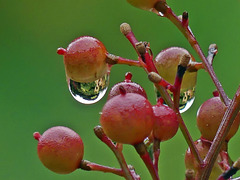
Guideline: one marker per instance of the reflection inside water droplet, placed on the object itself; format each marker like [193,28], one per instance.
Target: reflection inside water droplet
[186,99]
[91,92]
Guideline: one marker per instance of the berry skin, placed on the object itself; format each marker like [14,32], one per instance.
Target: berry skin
[60,149]
[166,122]
[203,148]
[143,4]
[127,118]
[167,62]
[84,59]
[209,117]
[129,86]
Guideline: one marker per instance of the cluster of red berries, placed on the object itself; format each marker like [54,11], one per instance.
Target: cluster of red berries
[128,117]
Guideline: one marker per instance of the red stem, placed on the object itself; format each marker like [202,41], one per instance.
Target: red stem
[143,153]
[165,95]
[148,162]
[117,150]
[130,62]
[132,39]
[90,166]
[176,92]
[149,62]
[156,152]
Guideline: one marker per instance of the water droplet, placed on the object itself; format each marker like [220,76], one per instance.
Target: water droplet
[160,14]
[186,99]
[89,93]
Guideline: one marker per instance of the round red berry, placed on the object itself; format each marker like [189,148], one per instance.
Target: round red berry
[166,122]
[60,149]
[127,118]
[209,117]
[84,59]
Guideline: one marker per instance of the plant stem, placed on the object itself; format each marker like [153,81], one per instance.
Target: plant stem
[156,152]
[165,95]
[227,121]
[193,42]
[112,59]
[90,166]
[230,171]
[195,66]
[188,138]
[143,153]
[117,150]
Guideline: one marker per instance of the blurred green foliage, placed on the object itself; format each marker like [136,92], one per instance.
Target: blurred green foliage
[34,94]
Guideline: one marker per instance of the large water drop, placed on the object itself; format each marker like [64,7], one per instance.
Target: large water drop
[186,99]
[91,92]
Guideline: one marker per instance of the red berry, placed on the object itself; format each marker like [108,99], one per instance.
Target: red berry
[129,86]
[166,122]
[209,117]
[84,59]
[203,148]
[127,118]
[60,149]
[167,62]
[143,4]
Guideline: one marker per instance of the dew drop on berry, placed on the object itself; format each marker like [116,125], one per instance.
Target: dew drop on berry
[186,99]
[90,92]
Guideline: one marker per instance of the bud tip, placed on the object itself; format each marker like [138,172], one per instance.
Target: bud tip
[125,28]
[36,135]
[61,51]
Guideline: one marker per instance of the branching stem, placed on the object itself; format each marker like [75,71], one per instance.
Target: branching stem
[143,153]
[117,150]
[193,42]
[228,118]
[162,90]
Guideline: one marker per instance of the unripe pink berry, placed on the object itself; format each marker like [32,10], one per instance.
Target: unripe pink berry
[167,62]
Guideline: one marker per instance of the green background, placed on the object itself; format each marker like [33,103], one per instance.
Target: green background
[34,94]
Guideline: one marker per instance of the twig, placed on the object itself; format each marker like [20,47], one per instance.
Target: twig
[127,31]
[117,150]
[221,134]
[167,12]
[90,166]
[143,153]
[231,171]
[156,152]
[112,59]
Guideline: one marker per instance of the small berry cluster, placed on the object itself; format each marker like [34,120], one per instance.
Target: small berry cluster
[129,118]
